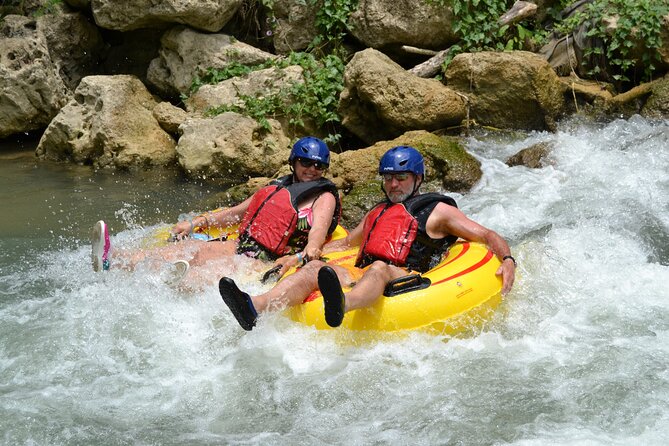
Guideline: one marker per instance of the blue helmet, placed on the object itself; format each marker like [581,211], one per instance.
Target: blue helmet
[402,159]
[310,148]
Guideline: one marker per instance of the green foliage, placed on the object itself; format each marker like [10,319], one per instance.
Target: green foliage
[633,41]
[316,98]
[332,23]
[11,7]
[638,22]
[213,76]
[19,7]
[49,7]
[476,24]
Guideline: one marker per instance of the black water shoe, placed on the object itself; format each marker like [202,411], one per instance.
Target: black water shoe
[333,296]
[239,302]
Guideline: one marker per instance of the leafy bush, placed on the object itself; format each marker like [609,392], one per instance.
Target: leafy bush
[332,24]
[316,98]
[633,41]
[49,7]
[476,24]
[630,30]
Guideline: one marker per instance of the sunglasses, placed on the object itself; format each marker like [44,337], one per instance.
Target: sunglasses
[398,176]
[309,163]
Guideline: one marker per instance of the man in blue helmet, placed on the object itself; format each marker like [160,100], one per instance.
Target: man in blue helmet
[285,222]
[408,231]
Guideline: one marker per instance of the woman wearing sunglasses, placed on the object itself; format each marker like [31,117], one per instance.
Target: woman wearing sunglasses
[287,221]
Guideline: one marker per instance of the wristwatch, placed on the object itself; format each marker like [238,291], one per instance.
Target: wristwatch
[512,259]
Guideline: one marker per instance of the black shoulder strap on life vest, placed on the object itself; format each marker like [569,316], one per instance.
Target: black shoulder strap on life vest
[417,203]
[299,191]
[283,181]
[421,207]
[426,251]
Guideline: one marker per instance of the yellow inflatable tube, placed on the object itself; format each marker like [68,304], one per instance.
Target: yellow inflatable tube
[162,235]
[463,289]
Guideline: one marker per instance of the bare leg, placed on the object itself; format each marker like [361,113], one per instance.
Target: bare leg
[364,293]
[372,284]
[290,291]
[213,251]
[127,259]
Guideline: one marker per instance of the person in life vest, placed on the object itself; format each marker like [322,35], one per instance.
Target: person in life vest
[286,222]
[407,232]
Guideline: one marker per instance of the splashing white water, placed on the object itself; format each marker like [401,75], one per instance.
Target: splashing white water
[577,353]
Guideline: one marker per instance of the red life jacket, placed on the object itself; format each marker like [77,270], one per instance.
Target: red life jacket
[396,233]
[271,218]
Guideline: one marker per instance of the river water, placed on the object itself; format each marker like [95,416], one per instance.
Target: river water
[577,353]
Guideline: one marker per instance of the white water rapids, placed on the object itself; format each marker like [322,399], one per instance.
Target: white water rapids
[577,354]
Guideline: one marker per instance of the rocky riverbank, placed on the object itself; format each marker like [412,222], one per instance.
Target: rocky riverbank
[111,84]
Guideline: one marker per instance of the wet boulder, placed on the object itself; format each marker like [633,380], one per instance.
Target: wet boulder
[185,54]
[381,100]
[387,23]
[31,89]
[230,148]
[109,123]
[207,15]
[533,157]
[512,90]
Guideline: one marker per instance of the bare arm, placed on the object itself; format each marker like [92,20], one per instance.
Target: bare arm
[448,220]
[220,219]
[354,238]
[323,210]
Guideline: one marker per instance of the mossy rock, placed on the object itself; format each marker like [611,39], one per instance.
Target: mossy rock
[360,199]
[657,105]
[448,161]
[445,157]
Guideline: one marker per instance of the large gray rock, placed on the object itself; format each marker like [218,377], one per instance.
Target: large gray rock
[31,90]
[123,15]
[231,148]
[381,100]
[382,23]
[185,54]
[108,123]
[514,90]
[257,83]
[294,24]
[75,45]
